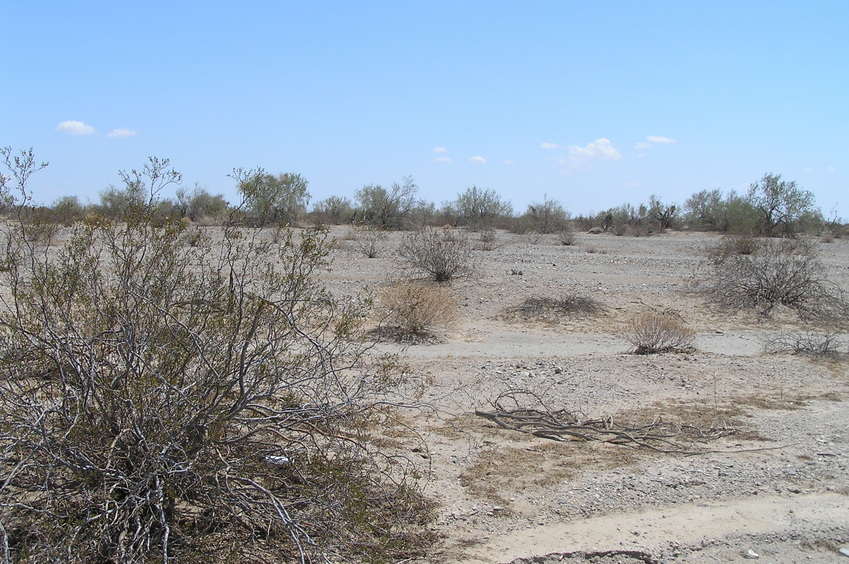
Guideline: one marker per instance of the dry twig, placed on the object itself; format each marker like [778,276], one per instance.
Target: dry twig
[562,425]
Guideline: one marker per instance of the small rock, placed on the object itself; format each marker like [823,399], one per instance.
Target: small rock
[751,554]
[844,551]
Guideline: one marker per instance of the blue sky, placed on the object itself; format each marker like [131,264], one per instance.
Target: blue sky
[594,103]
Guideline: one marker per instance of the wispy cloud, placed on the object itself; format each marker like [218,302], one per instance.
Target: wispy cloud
[660,139]
[440,150]
[547,145]
[651,140]
[477,159]
[121,132]
[509,162]
[443,160]
[74,128]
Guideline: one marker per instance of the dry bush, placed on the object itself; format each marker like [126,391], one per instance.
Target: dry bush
[545,307]
[175,403]
[441,254]
[812,343]
[487,240]
[777,272]
[417,312]
[654,332]
[735,245]
[567,236]
[370,240]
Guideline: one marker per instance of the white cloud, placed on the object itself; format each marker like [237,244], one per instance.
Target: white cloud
[547,145]
[509,162]
[477,159]
[443,160]
[580,157]
[600,149]
[75,128]
[643,145]
[121,132]
[660,139]
[440,150]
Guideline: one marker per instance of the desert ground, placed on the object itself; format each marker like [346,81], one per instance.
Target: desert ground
[769,479]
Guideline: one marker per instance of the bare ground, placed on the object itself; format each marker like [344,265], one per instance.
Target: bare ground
[775,487]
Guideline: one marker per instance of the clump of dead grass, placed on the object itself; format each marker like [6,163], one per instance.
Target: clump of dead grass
[654,332]
[417,312]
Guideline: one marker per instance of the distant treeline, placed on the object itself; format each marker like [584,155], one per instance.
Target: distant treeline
[770,207]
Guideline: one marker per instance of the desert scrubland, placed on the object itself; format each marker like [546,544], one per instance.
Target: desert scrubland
[767,476]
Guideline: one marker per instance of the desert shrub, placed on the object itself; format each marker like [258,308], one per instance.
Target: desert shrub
[68,210]
[775,272]
[546,307]
[663,216]
[200,205]
[548,216]
[269,199]
[161,402]
[334,210]
[417,311]
[812,343]
[370,240]
[487,240]
[566,235]
[388,208]
[441,254]
[735,245]
[479,208]
[658,332]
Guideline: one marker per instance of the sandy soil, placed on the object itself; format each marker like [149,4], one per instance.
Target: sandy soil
[776,489]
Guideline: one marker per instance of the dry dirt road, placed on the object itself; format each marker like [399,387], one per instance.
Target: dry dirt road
[773,486]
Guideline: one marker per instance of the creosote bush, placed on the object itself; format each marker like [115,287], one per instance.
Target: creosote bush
[417,311]
[655,332]
[773,273]
[370,241]
[441,254]
[170,402]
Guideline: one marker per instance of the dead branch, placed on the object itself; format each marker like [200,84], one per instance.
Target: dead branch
[562,425]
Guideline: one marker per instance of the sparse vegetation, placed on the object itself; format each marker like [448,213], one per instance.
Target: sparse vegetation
[487,240]
[371,241]
[812,343]
[549,308]
[655,332]
[417,312]
[772,273]
[441,254]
